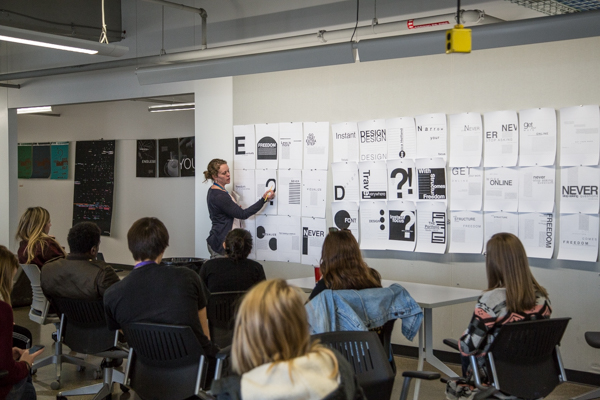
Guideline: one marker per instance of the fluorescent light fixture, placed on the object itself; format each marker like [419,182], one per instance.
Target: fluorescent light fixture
[172,107]
[34,38]
[34,110]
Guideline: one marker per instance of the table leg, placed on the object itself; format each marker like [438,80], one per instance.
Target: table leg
[429,357]
[420,363]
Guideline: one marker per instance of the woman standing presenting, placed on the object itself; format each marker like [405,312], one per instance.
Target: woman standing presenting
[225,213]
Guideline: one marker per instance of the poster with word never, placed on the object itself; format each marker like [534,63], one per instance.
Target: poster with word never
[345,142]
[579,135]
[402,179]
[41,161]
[466,188]
[579,189]
[265,239]
[264,180]
[402,225]
[501,139]
[536,189]
[499,221]
[314,231]
[372,136]
[267,146]
[466,232]
[578,237]
[345,181]
[431,136]
[316,145]
[59,160]
[288,238]
[314,193]
[431,227]
[501,189]
[345,216]
[537,127]
[431,175]
[466,138]
[245,187]
[373,225]
[146,161]
[536,231]
[373,180]
[290,145]
[402,138]
[244,147]
[290,193]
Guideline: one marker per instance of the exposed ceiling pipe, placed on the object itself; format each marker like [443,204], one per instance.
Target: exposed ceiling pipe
[183,7]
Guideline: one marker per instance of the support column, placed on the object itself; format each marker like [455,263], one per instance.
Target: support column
[8,172]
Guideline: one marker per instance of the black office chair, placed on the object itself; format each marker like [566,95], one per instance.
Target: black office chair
[221,310]
[84,330]
[367,356]
[165,362]
[593,339]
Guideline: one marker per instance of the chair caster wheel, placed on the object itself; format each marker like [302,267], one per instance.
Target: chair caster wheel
[55,385]
[80,368]
[98,374]
[124,388]
[34,371]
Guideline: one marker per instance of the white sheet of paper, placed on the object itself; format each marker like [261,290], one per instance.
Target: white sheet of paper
[501,189]
[345,141]
[314,193]
[579,135]
[466,232]
[537,131]
[314,231]
[402,224]
[244,186]
[501,139]
[250,225]
[578,237]
[372,138]
[432,235]
[290,145]
[536,189]
[402,180]
[431,136]
[466,140]
[466,188]
[431,178]
[345,216]
[267,146]
[289,193]
[265,179]
[499,221]
[316,145]
[373,225]
[288,239]
[244,147]
[265,239]
[372,177]
[345,181]
[579,189]
[402,138]
[536,231]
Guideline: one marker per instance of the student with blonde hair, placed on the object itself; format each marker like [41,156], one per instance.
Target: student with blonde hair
[37,246]
[273,354]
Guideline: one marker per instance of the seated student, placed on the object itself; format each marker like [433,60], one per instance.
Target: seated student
[273,356]
[157,293]
[80,275]
[233,272]
[17,385]
[37,246]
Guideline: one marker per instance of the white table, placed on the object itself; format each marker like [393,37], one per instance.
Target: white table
[428,297]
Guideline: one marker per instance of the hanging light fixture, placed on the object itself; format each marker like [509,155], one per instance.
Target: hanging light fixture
[172,107]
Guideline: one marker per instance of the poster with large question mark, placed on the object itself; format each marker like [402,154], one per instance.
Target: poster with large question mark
[401,137]
[432,236]
[465,140]
[402,180]
[345,181]
[466,232]
[402,225]
[373,180]
[431,175]
[374,225]
[267,146]
[345,216]
[466,188]
[314,193]
[267,179]
[265,239]
[345,141]
[431,136]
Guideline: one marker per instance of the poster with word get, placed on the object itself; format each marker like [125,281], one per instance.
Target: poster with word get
[466,232]
[579,189]
[25,159]
[187,156]
[266,179]
[499,221]
[402,179]
[501,139]
[267,146]
[536,189]
[265,239]
[373,183]
[501,189]
[431,227]
[537,127]
[316,145]
[59,160]
[374,233]
[345,142]
[431,175]
[466,188]
[578,237]
[314,193]
[289,193]
[145,166]
[466,138]
[345,181]
[579,135]
[41,161]
[244,147]
[345,216]
[431,136]
[290,145]
[402,138]
[245,187]
[288,238]
[402,225]
[314,231]
[372,136]
[536,232]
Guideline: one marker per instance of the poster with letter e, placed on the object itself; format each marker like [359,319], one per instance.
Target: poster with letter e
[244,147]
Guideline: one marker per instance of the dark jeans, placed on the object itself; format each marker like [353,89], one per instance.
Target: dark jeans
[22,390]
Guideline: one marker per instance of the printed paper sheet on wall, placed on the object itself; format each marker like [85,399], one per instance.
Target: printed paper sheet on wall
[466,232]
[267,146]
[432,235]
[264,180]
[288,239]
[345,142]
[244,147]
[466,188]
[345,181]
[465,140]
[402,180]
[290,193]
[345,216]
[536,231]
[314,231]
[265,239]
[401,137]
[316,145]
[290,145]
[314,193]
[372,140]
[578,237]
[579,135]
[431,136]
[501,139]
[402,225]
[537,127]
[373,180]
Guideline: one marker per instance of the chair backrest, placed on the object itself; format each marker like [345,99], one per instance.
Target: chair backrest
[39,305]
[366,355]
[165,361]
[525,360]
[221,311]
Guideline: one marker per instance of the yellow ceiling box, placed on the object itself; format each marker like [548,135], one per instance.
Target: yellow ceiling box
[458,40]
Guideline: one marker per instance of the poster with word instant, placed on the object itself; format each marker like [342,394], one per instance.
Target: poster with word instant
[537,127]
[431,227]
[25,159]
[501,139]
[431,175]
[314,193]
[146,162]
[245,186]
[266,179]
[168,158]
[501,189]
[345,181]
[402,179]
[187,156]
[466,138]
[345,216]
[372,136]
[290,145]
[402,138]
[267,146]
[431,136]
[466,188]
[374,233]
[499,221]
[59,160]
[265,239]
[536,189]
[345,141]
[244,147]
[288,238]
[314,231]
[41,161]
[579,189]
[316,145]
[402,225]
[466,232]
[290,193]
[536,231]
[578,237]
[372,180]
[579,135]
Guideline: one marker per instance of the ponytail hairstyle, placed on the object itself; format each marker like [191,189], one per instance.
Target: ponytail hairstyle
[32,229]
[213,168]
[238,245]
[8,266]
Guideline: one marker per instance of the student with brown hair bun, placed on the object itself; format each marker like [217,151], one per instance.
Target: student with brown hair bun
[273,356]
[37,246]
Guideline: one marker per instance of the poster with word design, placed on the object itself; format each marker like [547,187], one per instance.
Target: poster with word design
[432,236]
[431,175]
[316,145]
[499,221]
[265,239]
[579,189]
[372,180]
[289,193]
[345,142]
[466,232]
[537,131]
[345,181]
[501,139]
[536,232]
[372,136]
[314,231]
[290,145]
[466,188]
[402,225]
[501,189]
[402,138]
[266,179]
[345,216]
[466,138]
[431,136]
[579,135]
[288,238]
[244,147]
[402,179]
[374,224]
[314,193]
[536,189]
[578,237]
[267,146]
[245,187]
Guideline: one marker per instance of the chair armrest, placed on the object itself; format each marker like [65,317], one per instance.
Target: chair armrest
[422,375]
[451,343]
[593,339]
[224,353]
